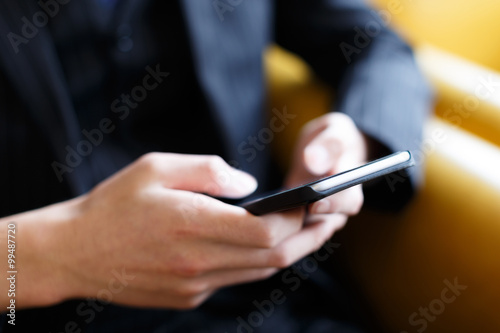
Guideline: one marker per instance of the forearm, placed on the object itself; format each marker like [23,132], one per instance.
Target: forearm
[32,241]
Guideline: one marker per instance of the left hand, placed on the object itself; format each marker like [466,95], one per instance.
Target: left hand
[328,145]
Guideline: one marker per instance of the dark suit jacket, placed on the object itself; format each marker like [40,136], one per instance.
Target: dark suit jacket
[372,70]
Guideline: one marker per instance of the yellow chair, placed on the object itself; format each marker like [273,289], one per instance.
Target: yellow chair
[468,30]
[434,267]
[462,27]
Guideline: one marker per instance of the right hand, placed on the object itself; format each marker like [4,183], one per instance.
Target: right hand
[174,247]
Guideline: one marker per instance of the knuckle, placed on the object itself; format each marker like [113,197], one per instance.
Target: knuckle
[280,259]
[214,168]
[188,269]
[334,204]
[266,273]
[214,165]
[261,274]
[186,229]
[192,289]
[320,239]
[266,236]
[149,161]
[333,140]
[337,222]
[190,303]
[193,298]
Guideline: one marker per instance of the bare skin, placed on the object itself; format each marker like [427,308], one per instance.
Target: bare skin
[154,225]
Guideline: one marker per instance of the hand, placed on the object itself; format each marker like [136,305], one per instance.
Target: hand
[328,145]
[170,246]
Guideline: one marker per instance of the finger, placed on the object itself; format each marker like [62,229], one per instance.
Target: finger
[310,239]
[191,292]
[202,254]
[162,297]
[201,217]
[218,257]
[199,173]
[338,221]
[321,154]
[277,227]
[225,278]
[199,284]
[259,232]
[346,202]
[338,138]
[318,158]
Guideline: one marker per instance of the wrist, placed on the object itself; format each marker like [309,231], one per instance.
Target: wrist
[44,277]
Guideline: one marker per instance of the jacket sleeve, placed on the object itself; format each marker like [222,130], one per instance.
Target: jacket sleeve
[374,74]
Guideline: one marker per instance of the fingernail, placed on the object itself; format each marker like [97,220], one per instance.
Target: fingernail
[317,159]
[321,207]
[244,182]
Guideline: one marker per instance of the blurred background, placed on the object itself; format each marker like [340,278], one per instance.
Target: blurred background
[435,266]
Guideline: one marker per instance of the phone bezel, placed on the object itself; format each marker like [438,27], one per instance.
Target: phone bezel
[319,189]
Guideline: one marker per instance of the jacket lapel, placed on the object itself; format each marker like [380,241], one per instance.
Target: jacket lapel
[227,54]
[227,44]
[33,69]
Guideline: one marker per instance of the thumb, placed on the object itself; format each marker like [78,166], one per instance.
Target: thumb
[210,175]
[320,155]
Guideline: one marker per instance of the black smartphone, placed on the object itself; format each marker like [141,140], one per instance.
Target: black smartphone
[317,190]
